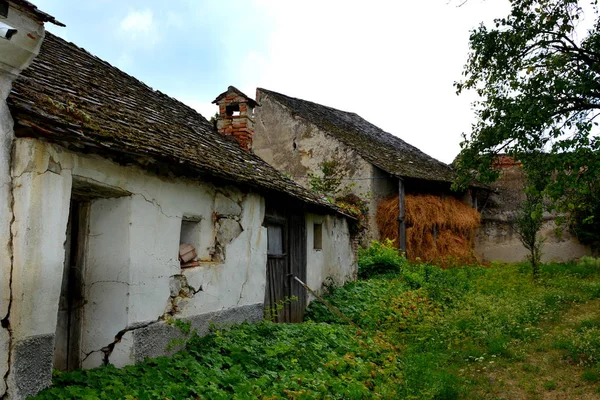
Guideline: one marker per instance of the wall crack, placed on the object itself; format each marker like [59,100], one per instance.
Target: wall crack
[155,203]
[5,323]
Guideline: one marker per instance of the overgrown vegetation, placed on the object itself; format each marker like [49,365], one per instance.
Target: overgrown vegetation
[328,182]
[379,258]
[422,331]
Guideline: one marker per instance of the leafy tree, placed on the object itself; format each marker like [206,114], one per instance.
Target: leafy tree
[528,224]
[537,72]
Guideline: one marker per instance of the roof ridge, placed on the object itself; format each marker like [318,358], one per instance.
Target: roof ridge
[307,101]
[379,147]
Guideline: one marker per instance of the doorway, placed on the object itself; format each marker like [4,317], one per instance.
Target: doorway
[68,326]
[285,298]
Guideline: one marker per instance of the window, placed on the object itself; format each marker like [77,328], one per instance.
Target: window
[190,231]
[188,241]
[274,239]
[232,110]
[318,236]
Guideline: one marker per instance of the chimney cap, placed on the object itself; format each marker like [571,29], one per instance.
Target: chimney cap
[233,89]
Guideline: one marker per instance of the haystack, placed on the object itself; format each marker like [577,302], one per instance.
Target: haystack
[438,230]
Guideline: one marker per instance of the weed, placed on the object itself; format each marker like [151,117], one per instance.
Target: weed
[420,326]
[591,375]
[379,258]
[550,385]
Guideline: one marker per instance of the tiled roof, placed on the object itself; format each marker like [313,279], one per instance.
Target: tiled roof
[378,147]
[69,95]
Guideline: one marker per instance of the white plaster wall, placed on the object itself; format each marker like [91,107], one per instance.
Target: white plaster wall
[106,276]
[133,247]
[6,138]
[240,280]
[337,259]
[13,59]
[41,190]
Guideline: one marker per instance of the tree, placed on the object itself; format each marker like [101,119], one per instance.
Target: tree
[537,72]
[528,224]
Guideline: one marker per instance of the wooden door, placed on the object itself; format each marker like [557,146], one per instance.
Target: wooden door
[276,270]
[297,267]
[285,299]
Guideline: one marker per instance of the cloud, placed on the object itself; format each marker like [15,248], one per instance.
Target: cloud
[392,62]
[139,27]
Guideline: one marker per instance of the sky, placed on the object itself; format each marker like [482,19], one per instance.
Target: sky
[392,62]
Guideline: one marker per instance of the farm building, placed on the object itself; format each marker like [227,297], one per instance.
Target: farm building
[122,208]
[406,192]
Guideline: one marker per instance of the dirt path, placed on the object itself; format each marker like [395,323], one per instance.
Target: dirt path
[538,370]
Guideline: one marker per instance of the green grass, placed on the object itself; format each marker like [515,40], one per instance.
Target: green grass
[420,329]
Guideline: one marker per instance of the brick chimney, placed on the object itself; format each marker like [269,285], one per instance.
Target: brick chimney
[236,116]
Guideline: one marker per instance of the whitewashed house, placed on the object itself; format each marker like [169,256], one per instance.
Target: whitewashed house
[121,208]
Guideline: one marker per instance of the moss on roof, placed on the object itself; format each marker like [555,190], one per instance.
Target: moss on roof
[378,147]
[67,94]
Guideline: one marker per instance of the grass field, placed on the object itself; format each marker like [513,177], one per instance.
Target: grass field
[425,333]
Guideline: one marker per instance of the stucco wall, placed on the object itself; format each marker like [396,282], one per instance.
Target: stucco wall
[132,277]
[6,138]
[13,59]
[497,239]
[295,146]
[335,263]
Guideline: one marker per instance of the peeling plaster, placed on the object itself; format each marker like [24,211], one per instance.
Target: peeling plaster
[181,292]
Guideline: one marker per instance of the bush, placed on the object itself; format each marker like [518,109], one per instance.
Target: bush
[379,258]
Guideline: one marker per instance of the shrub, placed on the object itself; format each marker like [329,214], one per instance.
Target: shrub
[379,258]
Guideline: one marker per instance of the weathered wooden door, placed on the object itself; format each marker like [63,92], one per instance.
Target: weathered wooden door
[297,267]
[276,270]
[285,299]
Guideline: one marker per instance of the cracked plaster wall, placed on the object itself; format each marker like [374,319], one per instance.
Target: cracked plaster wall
[336,262]
[295,146]
[133,244]
[10,58]
[6,139]
[41,194]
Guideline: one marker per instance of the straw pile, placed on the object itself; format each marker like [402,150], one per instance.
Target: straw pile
[439,231]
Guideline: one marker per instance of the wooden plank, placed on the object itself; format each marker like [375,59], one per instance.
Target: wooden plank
[297,252]
[401,217]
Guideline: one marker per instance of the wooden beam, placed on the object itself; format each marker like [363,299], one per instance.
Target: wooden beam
[401,217]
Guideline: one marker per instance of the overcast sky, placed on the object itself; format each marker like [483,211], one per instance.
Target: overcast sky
[391,61]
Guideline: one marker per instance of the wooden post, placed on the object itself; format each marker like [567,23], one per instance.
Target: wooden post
[401,215]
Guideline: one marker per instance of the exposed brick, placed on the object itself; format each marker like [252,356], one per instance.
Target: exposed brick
[240,127]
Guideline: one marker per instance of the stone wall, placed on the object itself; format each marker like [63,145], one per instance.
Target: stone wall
[497,239]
